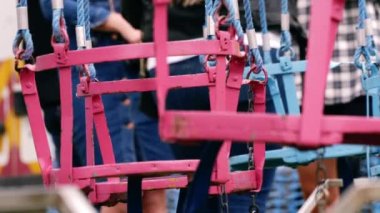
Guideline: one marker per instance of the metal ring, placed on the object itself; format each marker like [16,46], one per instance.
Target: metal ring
[64,34]
[254,69]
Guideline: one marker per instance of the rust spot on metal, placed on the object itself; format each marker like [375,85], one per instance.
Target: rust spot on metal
[179,125]
[172,182]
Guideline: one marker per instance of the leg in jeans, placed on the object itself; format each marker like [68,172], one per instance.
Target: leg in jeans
[149,147]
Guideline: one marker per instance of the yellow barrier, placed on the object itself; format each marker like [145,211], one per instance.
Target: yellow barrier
[12,124]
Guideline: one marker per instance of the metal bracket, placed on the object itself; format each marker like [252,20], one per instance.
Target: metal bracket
[60,51]
[28,88]
[224,38]
[97,104]
[286,64]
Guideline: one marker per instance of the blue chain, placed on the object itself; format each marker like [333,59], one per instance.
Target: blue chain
[87,19]
[209,7]
[83,20]
[233,21]
[58,19]
[367,67]
[364,51]
[248,15]
[216,5]
[23,36]
[83,17]
[80,13]
[284,6]
[286,38]
[264,30]
[263,16]
[253,52]
[361,25]
[91,67]
[362,14]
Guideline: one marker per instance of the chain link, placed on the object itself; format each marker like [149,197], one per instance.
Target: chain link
[321,176]
[223,199]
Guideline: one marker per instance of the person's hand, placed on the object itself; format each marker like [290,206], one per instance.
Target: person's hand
[132,35]
[116,23]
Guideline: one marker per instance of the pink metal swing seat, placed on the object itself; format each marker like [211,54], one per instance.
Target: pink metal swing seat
[311,129]
[156,174]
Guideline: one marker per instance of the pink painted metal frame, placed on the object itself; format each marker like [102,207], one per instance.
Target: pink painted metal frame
[311,129]
[86,176]
[99,192]
[222,123]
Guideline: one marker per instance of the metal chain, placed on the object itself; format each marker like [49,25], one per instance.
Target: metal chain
[253,208]
[223,199]
[249,143]
[321,176]
[251,164]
